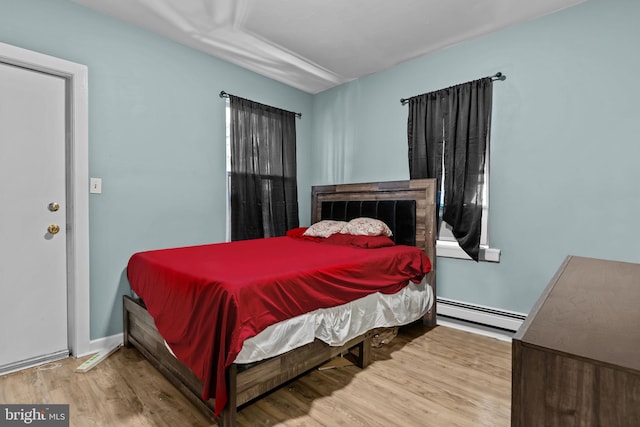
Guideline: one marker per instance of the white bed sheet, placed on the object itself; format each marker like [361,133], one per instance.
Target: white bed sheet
[337,325]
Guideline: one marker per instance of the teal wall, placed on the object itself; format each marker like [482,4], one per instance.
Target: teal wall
[563,158]
[156,135]
[564,150]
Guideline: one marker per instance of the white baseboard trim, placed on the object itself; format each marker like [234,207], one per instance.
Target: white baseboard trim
[96,346]
[479,314]
[35,361]
[474,328]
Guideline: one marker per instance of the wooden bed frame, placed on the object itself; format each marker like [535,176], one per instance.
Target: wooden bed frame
[247,382]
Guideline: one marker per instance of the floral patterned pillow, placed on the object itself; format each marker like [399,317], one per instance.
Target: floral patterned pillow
[325,228]
[364,226]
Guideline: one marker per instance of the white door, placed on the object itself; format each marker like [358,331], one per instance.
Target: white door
[33,268]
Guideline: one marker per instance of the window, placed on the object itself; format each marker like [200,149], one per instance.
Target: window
[448,135]
[262,198]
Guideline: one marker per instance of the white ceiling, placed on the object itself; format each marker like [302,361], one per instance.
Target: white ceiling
[314,45]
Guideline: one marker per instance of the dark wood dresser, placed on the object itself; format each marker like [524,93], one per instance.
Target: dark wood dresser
[576,359]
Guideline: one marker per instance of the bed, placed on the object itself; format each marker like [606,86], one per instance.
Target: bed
[408,207]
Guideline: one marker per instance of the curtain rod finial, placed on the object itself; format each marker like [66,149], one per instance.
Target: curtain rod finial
[499,76]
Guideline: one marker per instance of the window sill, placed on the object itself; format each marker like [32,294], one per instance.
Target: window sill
[449,249]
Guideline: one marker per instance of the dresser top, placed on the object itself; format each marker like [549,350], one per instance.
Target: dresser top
[590,309]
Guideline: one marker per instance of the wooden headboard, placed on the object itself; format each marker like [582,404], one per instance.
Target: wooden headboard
[420,193]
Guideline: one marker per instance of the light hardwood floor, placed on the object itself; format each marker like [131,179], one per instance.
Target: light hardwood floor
[437,377]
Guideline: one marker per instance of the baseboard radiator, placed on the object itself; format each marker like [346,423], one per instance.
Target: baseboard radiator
[481,315]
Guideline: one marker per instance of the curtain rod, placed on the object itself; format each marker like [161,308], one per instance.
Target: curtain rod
[224,94]
[496,76]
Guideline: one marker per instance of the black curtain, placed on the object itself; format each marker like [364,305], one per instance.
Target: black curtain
[454,123]
[264,194]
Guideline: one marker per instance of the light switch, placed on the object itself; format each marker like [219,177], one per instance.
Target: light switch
[95,185]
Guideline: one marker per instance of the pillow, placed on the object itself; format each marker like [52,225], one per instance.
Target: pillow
[367,242]
[325,228]
[364,226]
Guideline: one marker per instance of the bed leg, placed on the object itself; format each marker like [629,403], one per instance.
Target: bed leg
[227,417]
[364,352]
[429,319]
[125,323]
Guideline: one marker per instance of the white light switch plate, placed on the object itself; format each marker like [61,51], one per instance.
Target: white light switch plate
[95,185]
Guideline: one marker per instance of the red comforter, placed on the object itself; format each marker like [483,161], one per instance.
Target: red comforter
[206,300]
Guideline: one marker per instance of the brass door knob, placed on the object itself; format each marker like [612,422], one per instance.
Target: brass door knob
[53,206]
[53,228]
